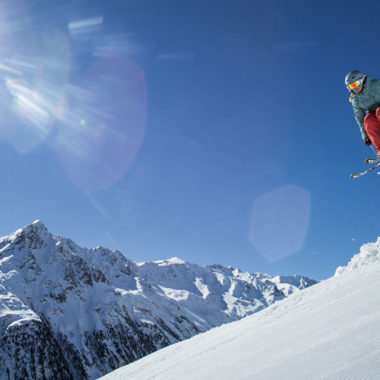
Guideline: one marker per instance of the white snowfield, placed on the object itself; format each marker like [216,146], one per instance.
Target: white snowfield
[328,331]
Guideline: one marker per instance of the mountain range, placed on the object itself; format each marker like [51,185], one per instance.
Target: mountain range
[68,312]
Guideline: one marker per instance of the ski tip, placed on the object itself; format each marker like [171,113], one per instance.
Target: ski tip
[372,160]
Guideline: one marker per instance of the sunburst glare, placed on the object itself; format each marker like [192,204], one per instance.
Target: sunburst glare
[92,114]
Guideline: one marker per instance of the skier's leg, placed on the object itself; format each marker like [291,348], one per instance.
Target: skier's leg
[377,113]
[372,126]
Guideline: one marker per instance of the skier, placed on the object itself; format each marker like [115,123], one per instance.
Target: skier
[365,98]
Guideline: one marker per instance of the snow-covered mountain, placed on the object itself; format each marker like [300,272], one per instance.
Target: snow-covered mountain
[329,331]
[71,312]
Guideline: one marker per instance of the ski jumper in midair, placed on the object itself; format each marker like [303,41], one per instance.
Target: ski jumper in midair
[365,98]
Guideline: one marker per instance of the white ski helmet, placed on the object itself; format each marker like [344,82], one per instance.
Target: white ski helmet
[353,76]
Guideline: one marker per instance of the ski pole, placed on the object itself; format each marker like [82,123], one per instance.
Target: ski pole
[374,150]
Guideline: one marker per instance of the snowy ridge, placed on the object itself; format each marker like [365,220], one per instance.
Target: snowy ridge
[369,253]
[80,313]
[328,331]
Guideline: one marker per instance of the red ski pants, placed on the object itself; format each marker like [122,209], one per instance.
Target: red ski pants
[372,126]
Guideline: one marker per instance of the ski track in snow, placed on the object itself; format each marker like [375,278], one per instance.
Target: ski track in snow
[328,331]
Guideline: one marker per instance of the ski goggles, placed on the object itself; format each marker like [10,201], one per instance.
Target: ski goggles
[355,84]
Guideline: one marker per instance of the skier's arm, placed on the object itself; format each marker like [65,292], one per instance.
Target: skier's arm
[359,116]
[376,90]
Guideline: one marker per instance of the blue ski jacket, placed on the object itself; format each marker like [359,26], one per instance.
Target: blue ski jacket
[366,101]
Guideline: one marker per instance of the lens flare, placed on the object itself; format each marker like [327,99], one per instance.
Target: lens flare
[279,222]
[86,25]
[36,71]
[72,89]
[102,124]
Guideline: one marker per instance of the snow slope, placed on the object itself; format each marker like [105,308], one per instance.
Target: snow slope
[328,331]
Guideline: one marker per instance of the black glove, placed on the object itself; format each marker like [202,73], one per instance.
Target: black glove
[367,141]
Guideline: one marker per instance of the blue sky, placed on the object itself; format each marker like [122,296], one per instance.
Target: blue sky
[218,132]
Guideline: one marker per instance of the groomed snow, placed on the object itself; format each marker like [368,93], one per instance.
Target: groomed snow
[328,331]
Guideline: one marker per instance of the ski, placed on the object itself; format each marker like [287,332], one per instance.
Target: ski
[372,160]
[357,175]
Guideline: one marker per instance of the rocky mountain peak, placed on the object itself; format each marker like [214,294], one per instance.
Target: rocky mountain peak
[33,236]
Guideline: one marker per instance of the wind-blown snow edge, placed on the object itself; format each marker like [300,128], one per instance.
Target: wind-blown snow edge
[369,253]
